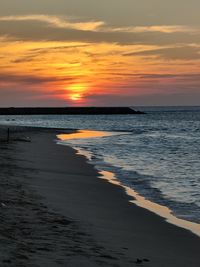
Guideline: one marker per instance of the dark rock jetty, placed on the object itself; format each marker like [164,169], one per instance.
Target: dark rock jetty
[68,111]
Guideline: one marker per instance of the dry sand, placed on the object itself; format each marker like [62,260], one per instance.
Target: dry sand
[55,211]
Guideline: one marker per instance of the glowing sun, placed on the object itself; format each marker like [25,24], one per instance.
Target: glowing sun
[76,97]
[76,92]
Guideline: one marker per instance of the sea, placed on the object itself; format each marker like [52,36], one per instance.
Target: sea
[157,154]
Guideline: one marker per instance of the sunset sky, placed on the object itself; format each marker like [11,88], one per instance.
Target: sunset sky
[99,53]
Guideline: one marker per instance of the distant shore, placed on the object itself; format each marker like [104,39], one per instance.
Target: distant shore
[55,211]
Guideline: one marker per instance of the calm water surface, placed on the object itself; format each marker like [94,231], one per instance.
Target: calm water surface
[157,154]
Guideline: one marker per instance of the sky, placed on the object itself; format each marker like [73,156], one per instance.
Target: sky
[99,53]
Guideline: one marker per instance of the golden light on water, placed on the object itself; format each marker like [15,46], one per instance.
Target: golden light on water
[135,197]
[84,134]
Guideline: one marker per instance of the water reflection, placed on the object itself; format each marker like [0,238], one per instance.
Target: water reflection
[151,206]
[137,199]
[84,134]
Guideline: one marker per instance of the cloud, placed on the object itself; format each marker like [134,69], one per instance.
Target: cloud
[62,28]
[153,28]
[98,26]
[172,53]
[169,76]
[151,99]
[31,79]
[33,53]
[154,76]
[57,21]
[35,32]
[20,97]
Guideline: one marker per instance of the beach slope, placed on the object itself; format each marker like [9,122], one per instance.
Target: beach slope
[57,211]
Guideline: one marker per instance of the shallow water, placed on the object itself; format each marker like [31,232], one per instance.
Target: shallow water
[156,154]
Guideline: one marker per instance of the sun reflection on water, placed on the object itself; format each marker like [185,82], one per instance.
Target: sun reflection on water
[84,134]
[160,210]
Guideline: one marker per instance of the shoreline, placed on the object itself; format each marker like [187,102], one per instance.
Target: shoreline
[139,200]
[113,231]
[162,211]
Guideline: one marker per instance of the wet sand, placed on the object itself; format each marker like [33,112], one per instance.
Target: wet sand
[56,211]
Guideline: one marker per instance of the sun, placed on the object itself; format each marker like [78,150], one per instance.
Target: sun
[76,91]
[75,97]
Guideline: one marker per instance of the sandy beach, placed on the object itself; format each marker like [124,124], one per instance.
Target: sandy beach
[57,211]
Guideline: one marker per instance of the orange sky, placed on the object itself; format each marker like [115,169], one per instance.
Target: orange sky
[84,59]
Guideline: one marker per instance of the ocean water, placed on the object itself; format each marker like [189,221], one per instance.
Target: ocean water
[157,154]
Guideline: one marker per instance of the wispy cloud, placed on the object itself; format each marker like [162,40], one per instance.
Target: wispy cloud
[185,52]
[51,54]
[57,21]
[156,28]
[31,79]
[99,26]
[62,28]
